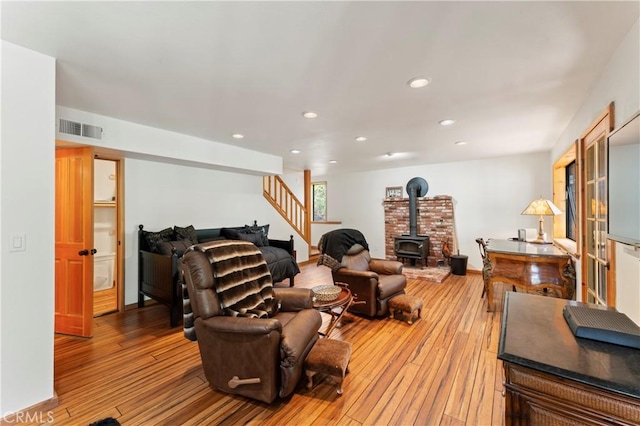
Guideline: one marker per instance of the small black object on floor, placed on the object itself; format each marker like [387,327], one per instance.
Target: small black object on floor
[109,421]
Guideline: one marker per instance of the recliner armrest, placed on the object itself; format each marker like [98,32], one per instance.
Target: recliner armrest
[294,299]
[297,334]
[386,267]
[353,273]
[242,325]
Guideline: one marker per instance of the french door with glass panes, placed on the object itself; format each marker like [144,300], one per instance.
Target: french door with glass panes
[597,283]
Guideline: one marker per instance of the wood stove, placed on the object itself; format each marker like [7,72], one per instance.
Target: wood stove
[413,246]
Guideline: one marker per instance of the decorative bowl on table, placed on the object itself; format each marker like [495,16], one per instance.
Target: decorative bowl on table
[326,293]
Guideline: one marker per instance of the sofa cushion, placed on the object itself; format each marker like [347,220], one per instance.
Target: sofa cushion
[186,233]
[154,239]
[180,246]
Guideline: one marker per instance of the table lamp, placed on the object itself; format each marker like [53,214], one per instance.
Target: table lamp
[541,207]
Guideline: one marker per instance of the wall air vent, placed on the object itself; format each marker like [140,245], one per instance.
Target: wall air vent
[80,129]
[70,127]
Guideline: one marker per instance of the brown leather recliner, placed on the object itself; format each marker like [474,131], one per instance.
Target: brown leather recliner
[373,281]
[260,358]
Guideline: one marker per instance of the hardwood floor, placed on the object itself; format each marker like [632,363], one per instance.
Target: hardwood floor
[440,370]
[105,301]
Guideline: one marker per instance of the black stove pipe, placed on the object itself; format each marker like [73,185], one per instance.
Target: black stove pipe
[416,187]
[413,189]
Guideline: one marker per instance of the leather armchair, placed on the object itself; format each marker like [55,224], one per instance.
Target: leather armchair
[373,281]
[260,358]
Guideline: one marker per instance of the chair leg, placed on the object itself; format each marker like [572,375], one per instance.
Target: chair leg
[310,375]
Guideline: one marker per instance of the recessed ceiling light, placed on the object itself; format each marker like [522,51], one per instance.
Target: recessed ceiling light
[237,136]
[417,82]
[461,143]
[309,114]
[295,151]
[447,122]
[361,138]
[333,161]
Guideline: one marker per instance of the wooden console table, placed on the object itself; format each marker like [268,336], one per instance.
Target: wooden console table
[554,378]
[529,267]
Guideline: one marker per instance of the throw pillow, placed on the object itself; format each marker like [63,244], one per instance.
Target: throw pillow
[187,233]
[155,238]
[259,229]
[252,238]
[229,234]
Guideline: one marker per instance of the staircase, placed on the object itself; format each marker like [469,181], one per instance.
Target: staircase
[276,191]
[314,253]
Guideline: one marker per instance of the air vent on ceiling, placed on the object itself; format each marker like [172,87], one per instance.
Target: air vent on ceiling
[80,129]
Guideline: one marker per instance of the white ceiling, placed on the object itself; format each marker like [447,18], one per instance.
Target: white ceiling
[512,74]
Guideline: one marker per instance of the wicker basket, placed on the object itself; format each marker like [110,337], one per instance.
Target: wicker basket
[326,293]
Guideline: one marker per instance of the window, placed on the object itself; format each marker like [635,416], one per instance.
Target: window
[565,196]
[319,201]
[570,201]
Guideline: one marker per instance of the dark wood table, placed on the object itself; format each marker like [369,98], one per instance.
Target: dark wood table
[529,267]
[342,303]
[553,377]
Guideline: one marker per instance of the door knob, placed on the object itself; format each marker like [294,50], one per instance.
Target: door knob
[84,252]
[93,251]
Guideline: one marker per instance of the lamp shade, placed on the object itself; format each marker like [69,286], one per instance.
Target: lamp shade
[541,207]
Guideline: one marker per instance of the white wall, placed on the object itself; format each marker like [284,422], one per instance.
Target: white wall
[488,197]
[136,140]
[620,83]
[27,202]
[160,195]
[175,179]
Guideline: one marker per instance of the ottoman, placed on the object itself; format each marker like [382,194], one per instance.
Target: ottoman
[406,304]
[329,357]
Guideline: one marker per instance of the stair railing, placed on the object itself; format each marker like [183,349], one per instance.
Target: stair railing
[276,191]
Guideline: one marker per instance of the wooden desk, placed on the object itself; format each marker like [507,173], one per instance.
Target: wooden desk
[554,378]
[527,266]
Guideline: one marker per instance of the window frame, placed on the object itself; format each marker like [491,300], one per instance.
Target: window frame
[560,199]
[313,201]
[597,137]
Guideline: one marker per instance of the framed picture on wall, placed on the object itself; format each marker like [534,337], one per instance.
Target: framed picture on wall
[393,192]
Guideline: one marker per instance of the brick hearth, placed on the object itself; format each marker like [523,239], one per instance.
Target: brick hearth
[434,218]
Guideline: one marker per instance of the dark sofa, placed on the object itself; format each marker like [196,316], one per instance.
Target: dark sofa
[158,254]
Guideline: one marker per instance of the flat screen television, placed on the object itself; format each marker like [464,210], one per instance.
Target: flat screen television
[624,182]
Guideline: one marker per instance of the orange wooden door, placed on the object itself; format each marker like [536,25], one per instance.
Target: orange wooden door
[74,241]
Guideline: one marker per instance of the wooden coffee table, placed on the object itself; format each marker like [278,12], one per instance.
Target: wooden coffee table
[336,308]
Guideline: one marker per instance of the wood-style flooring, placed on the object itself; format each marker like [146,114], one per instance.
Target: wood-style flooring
[105,301]
[442,370]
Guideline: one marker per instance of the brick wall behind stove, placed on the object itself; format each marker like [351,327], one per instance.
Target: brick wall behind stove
[435,219]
